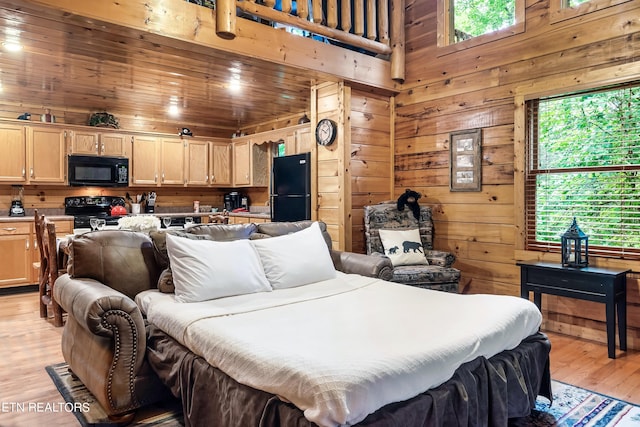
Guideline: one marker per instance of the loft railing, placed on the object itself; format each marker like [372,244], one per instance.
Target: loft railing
[375,26]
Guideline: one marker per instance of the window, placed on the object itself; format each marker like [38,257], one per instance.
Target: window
[560,10]
[472,22]
[473,18]
[583,154]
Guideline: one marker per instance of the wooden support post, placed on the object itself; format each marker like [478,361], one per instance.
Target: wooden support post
[383,22]
[226,19]
[332,13]
[303,8]
[286,6]
[371,19]
[345,16]
[358,17]
[316,6]
[397,40]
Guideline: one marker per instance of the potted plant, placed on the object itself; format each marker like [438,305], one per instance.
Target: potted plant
[104,120]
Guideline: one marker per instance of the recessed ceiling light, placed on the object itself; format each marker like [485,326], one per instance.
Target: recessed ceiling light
[174,110]
[12,46]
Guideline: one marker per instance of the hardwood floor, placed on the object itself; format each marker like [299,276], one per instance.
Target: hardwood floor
[30,343]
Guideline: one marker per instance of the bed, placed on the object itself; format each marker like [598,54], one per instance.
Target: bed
[350,350]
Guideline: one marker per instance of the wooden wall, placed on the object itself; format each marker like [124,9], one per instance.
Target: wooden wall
[485,87]
[370,157]
[332,195]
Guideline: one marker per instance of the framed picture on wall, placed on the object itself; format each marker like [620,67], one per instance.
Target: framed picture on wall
[465,160]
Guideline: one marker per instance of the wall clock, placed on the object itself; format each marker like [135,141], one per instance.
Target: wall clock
[326,132]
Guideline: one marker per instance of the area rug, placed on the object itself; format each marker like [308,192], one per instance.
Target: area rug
[572,407]
[91,414]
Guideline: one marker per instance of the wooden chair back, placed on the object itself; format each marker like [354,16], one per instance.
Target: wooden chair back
[43,275]
[50,250]
[221,218]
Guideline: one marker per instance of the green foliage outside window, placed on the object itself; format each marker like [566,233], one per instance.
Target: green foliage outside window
[473,18]
[587,164]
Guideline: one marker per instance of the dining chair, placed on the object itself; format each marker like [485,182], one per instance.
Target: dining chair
[219,218]
[42,265]
[53,269]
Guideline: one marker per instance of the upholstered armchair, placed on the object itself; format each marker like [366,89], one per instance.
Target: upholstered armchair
[438,274]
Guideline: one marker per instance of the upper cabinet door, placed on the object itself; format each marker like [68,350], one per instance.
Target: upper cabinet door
[83,142]
[115,144]
[46,154]
[13,162]
[241,163]
[172,161]
[145,161]
[197,173]
[221,163]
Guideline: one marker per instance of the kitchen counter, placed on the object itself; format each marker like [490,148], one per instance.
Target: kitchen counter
[30,218]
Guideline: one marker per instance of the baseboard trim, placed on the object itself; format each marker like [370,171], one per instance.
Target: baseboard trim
[12,290]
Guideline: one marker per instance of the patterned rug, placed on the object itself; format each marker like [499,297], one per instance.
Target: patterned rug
[572,406]
[91,414]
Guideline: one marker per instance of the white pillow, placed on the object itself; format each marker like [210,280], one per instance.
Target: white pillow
[206,269]
[403,246]
[296,259]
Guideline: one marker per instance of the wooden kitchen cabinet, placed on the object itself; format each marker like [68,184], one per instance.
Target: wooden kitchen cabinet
[46,155]
[172,155]
[13,162]
[16,251]
[145,161]
[157,161]
[221,164]
[250,163]
[99,143]
[197,163]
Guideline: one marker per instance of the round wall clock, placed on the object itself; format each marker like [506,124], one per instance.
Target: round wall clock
[326,132]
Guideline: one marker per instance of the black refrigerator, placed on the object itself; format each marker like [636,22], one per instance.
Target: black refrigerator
[291,188]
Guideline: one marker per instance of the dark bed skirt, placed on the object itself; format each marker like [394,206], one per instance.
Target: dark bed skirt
[483,392]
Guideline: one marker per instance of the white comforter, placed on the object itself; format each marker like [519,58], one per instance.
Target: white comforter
[343,348]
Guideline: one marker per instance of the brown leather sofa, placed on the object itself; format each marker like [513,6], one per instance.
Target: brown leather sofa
[104,339]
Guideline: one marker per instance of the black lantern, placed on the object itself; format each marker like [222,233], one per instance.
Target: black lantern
[575,247]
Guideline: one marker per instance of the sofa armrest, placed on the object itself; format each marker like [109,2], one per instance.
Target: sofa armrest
[441,258]
[365,265]
[103,311]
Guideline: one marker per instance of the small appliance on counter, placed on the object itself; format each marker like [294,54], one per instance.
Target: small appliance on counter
[235,200]
[150,207]
[17,207]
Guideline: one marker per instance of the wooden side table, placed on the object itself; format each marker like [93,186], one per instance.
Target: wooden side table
[605,285]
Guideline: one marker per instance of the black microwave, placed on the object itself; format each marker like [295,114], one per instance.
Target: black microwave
[98,171]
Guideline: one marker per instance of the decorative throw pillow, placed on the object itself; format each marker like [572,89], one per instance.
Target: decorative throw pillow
[159,239]
[206,269]
[403,246]
[296,259]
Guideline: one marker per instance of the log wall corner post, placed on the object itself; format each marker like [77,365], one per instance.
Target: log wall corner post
[226,19]
[397,41]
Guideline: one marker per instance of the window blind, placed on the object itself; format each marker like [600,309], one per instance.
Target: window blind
[583,154]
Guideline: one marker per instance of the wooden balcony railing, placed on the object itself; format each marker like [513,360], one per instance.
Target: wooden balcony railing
[375,26]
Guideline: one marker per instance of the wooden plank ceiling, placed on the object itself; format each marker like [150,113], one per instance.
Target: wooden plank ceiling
[88,66]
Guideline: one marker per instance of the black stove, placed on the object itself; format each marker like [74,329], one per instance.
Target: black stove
[83,208]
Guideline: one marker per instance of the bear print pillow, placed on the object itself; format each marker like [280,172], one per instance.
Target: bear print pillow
[403,246]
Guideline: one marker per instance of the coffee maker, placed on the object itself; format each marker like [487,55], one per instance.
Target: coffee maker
[235,200]
[17,207]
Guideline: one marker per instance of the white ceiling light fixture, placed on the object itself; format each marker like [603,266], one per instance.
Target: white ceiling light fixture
[12,40]
[173,108]
[234,84]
